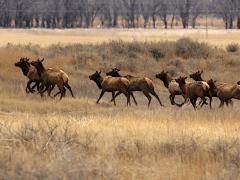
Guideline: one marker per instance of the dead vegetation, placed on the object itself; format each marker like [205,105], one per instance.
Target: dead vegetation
[49,139]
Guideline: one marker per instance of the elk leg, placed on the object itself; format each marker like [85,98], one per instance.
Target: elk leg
[230,102]
[118,93]
[185,100]
[34,86]
[148,96]
[57,93]
[63,91]
[171,97]
[50,90]
[113,98]
[101,95]
[203,101]
[210,102]
[40,87]
[69,88]
[221,104]
[193,102]
[127,94]
[28,88]
[155,94]
[134,98]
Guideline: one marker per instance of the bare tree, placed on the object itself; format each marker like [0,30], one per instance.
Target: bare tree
[130,7]
[226,10]
[163,12]
[184,11]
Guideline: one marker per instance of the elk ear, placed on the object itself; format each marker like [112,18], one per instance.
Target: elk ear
[185,78]
[28,59]
[42,60]
[99,72]
[201,71]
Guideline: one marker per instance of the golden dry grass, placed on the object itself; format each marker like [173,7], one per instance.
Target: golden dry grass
[48,37]
[77,139]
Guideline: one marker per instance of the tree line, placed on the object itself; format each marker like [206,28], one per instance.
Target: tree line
[114,13]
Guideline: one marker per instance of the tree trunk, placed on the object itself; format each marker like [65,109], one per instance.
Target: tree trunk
[231,23]
[115,20]
[238,22]
[172,22]
[194,19]
[165,23]
[154,21]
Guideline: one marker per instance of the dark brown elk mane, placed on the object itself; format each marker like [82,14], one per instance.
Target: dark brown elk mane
[97,79]
[166,79]
[197,76]
[30,72]
[24,65]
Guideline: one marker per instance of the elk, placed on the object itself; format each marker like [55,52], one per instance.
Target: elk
[30,72]
[51,77]
[197,76]
[171,85]
[193,90]
[143,84]
[111,84]
[225,93]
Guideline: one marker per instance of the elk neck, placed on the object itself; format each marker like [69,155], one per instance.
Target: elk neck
[183,87]
[99,82]
[166,81]
[40,70]
[25,69]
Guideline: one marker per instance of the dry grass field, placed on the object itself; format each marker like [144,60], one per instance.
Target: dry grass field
[77,139]
[218,37]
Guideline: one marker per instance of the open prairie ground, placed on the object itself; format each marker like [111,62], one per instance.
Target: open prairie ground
[44,138]
[218,37]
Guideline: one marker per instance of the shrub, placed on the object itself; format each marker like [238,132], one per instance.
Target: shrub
[187,48]
[233,47]
[161,49]
[156,53]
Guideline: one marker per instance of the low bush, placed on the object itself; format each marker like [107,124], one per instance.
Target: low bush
[187,48]
[233,47]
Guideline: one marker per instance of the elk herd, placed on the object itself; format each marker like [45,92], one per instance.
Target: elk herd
[45,79]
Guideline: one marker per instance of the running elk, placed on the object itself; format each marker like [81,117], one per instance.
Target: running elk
[51,77]
[111,84]
[30,72]
[197,76]
[143,84]
[171,85]
[225,93]
[193,90]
